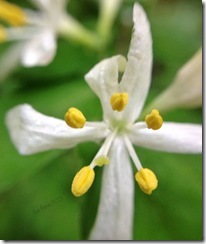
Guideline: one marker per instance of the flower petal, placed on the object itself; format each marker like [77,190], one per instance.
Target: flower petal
[171,137]
[33,132]
[186,89]
[52,8]
[10,60]
[115,213]
[137,76]
[44,4]
[103,80]
[40,50]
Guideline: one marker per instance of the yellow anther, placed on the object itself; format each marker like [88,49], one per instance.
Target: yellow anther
[118,101]
[75,118]
[146,180]
[101,160]
[82,181]
[3,35]
[154,120]
[11,13]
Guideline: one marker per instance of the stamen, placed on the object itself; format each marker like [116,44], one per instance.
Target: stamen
[85,177]
[118,101]
[101,160]
[74,118]
[3,35]
[107,144]
[13,14]
[132,153]
[101,157]
[146,180]
[154,120]
[82,181]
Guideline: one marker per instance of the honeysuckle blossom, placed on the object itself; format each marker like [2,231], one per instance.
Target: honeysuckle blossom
[186,89]
[35,33]
[37,29]
[122,100]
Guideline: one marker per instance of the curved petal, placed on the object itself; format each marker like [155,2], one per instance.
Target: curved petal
[186,89]
[115,213]
[137,76]
[171,137]
[40,50]
[33,132]
[103,80]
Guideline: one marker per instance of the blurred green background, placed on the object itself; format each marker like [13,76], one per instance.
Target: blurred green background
[35,198]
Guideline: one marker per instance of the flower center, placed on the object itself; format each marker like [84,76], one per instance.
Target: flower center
[145,178]
[120,126]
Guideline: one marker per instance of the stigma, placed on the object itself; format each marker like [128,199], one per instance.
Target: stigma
[101,160]
[12,14]
[75,118]
[146,180]
[154,120]
[118,101]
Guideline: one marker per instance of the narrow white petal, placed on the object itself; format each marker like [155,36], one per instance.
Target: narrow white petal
[114,219]
[21,33]
[43,4]
[186,89]
[52,8]
[103,80]
[171,137]
[137,76]
[33,132]
[40,50]
[10,60]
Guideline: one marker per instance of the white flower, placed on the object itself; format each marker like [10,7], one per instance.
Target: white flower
[186,89]
[32,132]
[36,29]
[35,33]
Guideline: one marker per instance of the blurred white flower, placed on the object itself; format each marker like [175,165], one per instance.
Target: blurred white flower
[122,100]
[35,33]
[186,89]
[36,29]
